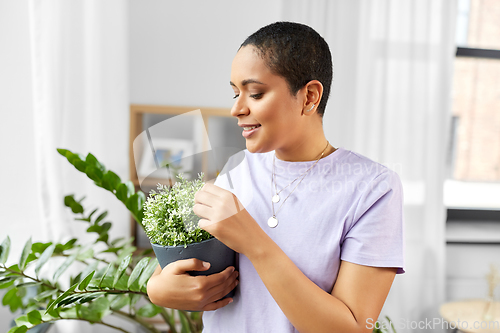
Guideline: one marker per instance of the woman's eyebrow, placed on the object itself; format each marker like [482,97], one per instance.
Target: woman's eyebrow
[245,82]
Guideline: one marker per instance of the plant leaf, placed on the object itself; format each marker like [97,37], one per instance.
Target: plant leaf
[44,257]
[80,165]
[110,181]
[53,304]
[104,275]
[83,285]
[45,294]
[101,217]
[62,151]
[119,302]
[76,208]
[19,329]
[121,269]
[93,173]
[34,317]
[92,160]
[7,281]
[5,250]
[147,272]
[134,298]
[149,310]
[25,254]
[64,266]
[100,307]
[137,271]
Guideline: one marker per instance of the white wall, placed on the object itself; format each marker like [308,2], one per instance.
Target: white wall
[18,205]
[181,51]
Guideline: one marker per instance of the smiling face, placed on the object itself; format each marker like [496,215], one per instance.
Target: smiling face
[270,115]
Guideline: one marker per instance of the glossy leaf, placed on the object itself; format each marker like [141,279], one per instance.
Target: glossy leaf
[134,298]
[149,310]
[90,297]
[61,297]
[104,275]
[100,306]
[87,254]
[64,266]
[25,254]
[93,173]
[70,300]
[92,160]
[7,281]
[45,294]
[80,165]
[44,257]
[39,247]
[63,152]
[85,282]
[121,269]
[147,272]
[110,181]
[34,317]
[72,158]
[9,295]
[20,329]
[136,273]
[119,302]
[5,250]
[101,217]
[77,208]
[70,244]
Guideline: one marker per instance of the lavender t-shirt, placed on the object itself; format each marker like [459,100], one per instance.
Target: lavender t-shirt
[347,207]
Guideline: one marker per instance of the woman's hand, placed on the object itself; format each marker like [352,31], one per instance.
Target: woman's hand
[174,288]
[223,216]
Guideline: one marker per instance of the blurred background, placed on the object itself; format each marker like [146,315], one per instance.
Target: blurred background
[416,88]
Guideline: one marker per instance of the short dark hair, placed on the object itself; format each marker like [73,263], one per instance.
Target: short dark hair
[297,53]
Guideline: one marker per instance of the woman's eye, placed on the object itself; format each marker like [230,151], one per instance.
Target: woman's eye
[235,96]
[256,96]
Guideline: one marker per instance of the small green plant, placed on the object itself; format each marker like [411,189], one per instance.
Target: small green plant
[168,214]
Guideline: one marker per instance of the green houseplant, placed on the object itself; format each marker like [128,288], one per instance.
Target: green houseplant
[172,228]
[111,275]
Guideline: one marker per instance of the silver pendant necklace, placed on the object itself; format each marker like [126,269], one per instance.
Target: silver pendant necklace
[272,222]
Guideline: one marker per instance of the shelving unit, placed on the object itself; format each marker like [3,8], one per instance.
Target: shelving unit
[212,117]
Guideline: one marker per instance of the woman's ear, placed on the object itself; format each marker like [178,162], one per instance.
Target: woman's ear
[313,91]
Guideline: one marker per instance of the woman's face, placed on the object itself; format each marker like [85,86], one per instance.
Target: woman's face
[265,108]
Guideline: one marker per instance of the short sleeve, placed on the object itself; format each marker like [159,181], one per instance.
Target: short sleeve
[375,237]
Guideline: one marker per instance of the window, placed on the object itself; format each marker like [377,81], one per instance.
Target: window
[474,163]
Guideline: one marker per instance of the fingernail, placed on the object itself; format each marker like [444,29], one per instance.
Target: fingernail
[230,301]
[206,264]
[232,269]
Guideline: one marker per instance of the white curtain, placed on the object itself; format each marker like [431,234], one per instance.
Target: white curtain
[80,86]
[393,64]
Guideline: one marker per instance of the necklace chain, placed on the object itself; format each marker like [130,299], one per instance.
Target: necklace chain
[273,221]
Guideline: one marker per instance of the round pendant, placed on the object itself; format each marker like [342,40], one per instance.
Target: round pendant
[272,222]
[276,198]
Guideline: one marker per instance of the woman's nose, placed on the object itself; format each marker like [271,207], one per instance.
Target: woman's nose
[239,108]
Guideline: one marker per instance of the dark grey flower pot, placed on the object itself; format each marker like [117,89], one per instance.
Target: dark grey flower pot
[211,250]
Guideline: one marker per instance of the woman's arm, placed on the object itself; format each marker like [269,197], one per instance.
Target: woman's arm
[359,292]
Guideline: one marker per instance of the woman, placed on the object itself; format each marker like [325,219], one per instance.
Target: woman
[318,229]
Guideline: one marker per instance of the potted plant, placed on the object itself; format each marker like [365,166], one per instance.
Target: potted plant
[172,227]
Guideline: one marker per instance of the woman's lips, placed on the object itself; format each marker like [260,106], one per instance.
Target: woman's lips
[247,133]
